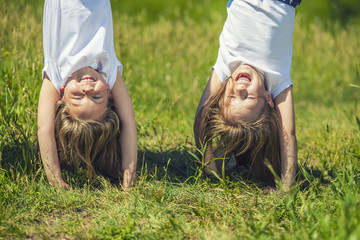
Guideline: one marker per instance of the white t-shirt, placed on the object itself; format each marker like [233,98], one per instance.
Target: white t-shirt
[78,34]
[258,33]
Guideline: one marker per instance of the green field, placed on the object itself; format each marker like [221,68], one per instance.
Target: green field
[167,49]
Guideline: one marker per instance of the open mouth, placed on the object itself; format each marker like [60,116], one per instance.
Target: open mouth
[87,79]
[243,77]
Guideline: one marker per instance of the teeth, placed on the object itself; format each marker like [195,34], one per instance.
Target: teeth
[243,75]
[242,80]
[88,79]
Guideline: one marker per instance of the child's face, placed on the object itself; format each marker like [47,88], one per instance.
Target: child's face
[245,95]
[86,94]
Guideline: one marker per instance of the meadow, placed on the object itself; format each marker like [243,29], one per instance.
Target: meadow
[167,49]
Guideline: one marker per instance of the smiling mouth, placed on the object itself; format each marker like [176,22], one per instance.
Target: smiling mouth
[243,77]
[87,79]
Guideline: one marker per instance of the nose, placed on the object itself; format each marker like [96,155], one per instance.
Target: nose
[87,88]
[241,91]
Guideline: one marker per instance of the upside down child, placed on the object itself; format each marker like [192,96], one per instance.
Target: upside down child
[247,103]
[85,114]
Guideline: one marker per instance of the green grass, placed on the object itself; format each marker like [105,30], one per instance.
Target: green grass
[167,50]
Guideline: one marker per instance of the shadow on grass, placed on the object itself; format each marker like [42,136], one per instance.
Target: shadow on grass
[19,158]
[175,166]
[308,176]
[179,166]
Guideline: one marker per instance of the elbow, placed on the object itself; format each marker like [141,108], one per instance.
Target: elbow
[40,128]
[128,124]
[292,134]
[45,129]
[289,137]
[127,120]
[289,132]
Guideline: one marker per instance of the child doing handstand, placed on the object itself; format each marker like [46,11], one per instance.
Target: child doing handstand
[247,103]
[84,109]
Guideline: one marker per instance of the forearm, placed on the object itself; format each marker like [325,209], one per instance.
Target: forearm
[48,152]
[209,160]
[288,145]
[287,135]
[199,134]
[128,139]
[200,125]
[128,131]
[199,130]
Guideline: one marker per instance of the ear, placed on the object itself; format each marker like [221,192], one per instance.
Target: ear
[269,99]
[108,89]
[62,89]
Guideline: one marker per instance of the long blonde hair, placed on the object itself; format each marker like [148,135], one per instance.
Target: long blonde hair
[92,144]
[256,142]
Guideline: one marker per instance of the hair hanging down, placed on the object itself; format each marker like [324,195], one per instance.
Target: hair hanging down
[92,144]
[255,143]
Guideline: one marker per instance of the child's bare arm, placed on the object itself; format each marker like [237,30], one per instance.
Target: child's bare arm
[288,144]
[199,132]
[199,124]
[128,132]
[46,133]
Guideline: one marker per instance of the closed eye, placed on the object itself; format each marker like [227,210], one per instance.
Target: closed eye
[78,97]
[247,97]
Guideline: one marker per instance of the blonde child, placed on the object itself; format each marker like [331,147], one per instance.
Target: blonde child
[247,104]
[84,109]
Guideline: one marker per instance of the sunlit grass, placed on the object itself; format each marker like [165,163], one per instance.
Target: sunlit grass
[167,61]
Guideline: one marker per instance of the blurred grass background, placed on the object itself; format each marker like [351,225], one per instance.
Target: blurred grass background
[167,49]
